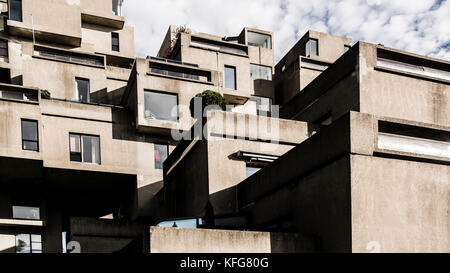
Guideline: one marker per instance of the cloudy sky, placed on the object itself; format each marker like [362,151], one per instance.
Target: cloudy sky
[420,26]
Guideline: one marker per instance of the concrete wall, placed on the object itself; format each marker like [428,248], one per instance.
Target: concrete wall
[176,240]
[401,96]
[399,206]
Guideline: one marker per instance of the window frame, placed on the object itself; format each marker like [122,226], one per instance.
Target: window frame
[225,76]
[164,93]
[113,34]
[31,207]
[30,236]
[6,42]
[154,149]
[81,149]
[261,66]
[88,96]
[27,140]
[21,10]
[307,44]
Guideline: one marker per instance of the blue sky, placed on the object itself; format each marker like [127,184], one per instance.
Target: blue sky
[419,26]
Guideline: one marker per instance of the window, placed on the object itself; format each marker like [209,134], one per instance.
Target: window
[117,7]
[161,106]
[83,88]
[230,77]
[3,49]
[30,137]
[283,68]
[114,41]
[251,170]
[84,148]
[28,213]
[261,72]
[15,10]
[312,47]
[161,154]
[66,56]
[259,39]
[263,105]
[28,243]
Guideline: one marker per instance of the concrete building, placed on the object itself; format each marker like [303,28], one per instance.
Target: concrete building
[89,160]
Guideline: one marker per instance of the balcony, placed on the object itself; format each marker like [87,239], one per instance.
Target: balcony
[19,93]
[179,70]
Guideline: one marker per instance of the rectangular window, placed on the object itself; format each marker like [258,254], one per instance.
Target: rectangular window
[30,136]
[263,105]
[261,72]
[259,39]
[115,41]
[84,148]
[161,154]
[28,213]
[28,243]
[312,47]
[83,88]
[117,7]
[230,77]
[15,10]
[251,170]
[161,106]
[3,49]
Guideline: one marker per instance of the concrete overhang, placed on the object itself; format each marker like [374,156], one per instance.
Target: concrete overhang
[112,21]
[17,29]
[235,99]
[21,223]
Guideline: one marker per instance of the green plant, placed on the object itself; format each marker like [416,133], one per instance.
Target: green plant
[209,98]
[45,94]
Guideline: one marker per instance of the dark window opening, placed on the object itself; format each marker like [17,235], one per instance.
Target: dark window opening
[4,48]
[30,137]
[15,10]
[161,154]
[115,41]
[83,88]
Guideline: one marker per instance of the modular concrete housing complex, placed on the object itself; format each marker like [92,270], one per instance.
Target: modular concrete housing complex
[357,160]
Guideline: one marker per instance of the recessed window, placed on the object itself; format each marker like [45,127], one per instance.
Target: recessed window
[84,148]
[15,10]
[115,41]
[28,213]
[230,77]
[312,47]
[261,72]
[117,7]
[161,106]
[28,243]
[251,170]
[259,39]
[83,89]
[161,154]
[30,136]
[3,49]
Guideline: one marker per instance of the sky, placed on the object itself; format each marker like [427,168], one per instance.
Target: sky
[419,26]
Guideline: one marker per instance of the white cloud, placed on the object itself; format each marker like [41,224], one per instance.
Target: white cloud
[417,26]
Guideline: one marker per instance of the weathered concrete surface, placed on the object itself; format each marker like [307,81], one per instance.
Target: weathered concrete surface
[403,206]
[176,240]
